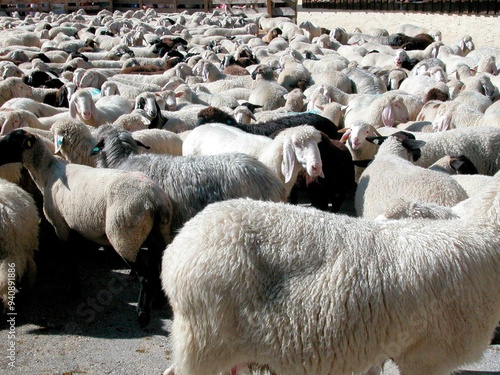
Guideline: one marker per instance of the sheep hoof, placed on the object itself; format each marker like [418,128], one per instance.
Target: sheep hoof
[143,318]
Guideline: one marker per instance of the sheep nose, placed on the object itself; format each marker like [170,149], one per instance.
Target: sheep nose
[316,170]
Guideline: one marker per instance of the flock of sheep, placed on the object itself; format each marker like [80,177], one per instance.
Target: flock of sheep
[193,135]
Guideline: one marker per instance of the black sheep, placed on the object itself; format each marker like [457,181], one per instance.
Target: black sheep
[338,182]
[213,114]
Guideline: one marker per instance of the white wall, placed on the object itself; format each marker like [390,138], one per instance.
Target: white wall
[485,30]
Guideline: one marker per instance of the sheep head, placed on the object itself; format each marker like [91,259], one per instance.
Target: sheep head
[13,145]
[300,145]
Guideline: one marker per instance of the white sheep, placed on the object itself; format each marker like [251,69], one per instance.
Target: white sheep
[480,144]
[310,292]
[159,141]
[392,176]
[109,207]
[290,151]
[13,87]
[36,108]
[378,110]
[135,120]
[71,134]
[106,110]
[361,150]
[18,241]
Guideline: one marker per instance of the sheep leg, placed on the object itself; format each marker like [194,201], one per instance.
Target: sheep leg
[145,295]
[148,273]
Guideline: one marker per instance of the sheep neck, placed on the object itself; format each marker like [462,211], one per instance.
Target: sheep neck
[39,160]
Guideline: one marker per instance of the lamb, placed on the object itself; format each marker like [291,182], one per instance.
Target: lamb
[290,151]
[392,176]
[18,241]
[105,110]
[110,207]
[192,182]
[14,87]
[293,290]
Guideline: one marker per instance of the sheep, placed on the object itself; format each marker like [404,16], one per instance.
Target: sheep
[11,119]
[19,38]
[338,169]
[18,241]
[481,83]
[127,89]
[36,108]
[71,134]
[396,59]
[105,110]
[361,150]
[452,60]
[271,34]
[413,30]
[159,141]
[378,110]
[364,82]
[110,207]
[420,85]
[211,114]
[14,87]
[460,164]
[290,151]
[294,290]
[268,94]
[473,99]
[392,176]
[480,144]
[133,121]
[451,115]
[192,182]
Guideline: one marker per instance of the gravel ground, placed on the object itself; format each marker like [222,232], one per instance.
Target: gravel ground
[96,332]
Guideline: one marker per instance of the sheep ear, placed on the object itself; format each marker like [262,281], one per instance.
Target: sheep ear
[288,160]
[72,108]
[58,141]
[388,116]
[346,135]
[456,164]
[93,109]
[441,123]
[414,144]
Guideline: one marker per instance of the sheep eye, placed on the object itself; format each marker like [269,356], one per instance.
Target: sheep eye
[96,149]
